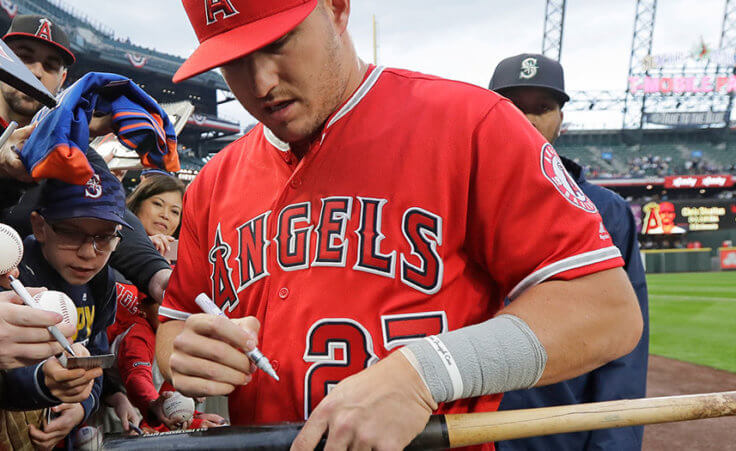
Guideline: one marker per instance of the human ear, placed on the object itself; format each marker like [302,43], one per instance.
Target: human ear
[37,226]
[64,73]
[339,13]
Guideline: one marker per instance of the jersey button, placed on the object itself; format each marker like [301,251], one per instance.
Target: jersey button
[275,365]
[288,159]
[284,293]
[296,182]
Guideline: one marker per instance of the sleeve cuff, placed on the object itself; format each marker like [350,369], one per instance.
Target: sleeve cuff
[40,384]
[89,405]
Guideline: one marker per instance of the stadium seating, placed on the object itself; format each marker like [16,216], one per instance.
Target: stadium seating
[651,160]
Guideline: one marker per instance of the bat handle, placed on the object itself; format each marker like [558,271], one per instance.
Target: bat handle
[434,435]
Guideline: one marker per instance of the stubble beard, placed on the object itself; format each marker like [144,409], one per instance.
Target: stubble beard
[331,91]
[19,103]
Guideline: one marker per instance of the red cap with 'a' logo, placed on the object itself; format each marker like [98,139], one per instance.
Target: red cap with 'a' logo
[230,29]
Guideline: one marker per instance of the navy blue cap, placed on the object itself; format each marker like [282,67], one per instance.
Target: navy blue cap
[530,69]
[154,171]
[102,197]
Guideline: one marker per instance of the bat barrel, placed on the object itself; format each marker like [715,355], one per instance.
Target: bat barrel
[258,438]
[474,429]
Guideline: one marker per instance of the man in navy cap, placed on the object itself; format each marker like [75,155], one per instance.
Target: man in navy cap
[535,84]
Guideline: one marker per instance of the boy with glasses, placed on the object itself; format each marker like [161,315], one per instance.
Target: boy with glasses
[74,231]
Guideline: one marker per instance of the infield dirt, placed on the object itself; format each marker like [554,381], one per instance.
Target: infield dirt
[669,377]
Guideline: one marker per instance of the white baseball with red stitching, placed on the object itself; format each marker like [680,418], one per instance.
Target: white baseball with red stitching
[58,302]
[11,248]
[179,408]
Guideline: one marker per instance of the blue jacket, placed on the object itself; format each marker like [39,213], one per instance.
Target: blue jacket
[24,388]
[622,378]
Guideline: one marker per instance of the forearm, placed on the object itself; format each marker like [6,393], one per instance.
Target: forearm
[552,332]
[165,336]
[92,403]
[582,323]
[158,283]
[24,389]
[140,388]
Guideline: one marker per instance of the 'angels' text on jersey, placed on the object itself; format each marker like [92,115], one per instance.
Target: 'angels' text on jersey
[291,233]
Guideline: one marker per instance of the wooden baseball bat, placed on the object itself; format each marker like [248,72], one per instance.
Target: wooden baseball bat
[455,430]
[476,428]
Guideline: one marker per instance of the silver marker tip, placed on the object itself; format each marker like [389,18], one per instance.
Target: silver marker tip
[269,370]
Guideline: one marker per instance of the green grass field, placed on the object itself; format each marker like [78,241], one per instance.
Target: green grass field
[693,317]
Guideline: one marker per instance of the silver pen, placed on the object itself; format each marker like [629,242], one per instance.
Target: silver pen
[205,303]
[26,296]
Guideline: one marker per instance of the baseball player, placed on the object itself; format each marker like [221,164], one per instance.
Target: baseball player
[377,210]
[535,84]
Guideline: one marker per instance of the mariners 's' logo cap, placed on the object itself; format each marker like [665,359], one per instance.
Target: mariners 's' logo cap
[42,28]
[530,69]
[230,29]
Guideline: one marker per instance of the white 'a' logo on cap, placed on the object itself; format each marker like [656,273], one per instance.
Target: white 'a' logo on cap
[214,7]
[528,68]
[44,29]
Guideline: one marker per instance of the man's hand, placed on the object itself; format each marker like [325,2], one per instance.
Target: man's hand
[383,407]
[24,339]
[71,386]
[123,409]
[53,432]
[156,408]
[10,164]
[208,357]
[210,420]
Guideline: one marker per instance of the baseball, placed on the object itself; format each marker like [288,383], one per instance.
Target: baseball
[11,248]
[179,408]
[56,301]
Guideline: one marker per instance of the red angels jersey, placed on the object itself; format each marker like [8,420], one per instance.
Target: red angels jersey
[422,205]
[126,310]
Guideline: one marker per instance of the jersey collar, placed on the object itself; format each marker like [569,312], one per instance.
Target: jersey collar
[367,84]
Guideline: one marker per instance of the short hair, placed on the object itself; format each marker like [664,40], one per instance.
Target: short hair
[152,186]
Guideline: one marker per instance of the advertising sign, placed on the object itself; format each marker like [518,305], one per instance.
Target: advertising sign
[678,217]
[685,119]
[728,257]
[699,181]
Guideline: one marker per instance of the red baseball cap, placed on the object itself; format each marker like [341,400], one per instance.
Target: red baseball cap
[230,29]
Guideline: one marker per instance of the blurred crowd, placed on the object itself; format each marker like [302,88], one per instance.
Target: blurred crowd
[110,254]
[658,166]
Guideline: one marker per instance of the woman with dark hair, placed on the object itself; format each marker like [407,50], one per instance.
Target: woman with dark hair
[157,202]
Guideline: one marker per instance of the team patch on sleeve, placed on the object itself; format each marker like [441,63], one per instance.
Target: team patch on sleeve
[555,172]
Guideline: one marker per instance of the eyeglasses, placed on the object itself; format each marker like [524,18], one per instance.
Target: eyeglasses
[74,239]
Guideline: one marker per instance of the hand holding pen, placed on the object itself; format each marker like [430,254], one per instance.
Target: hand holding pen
[207,306]
[24,340]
